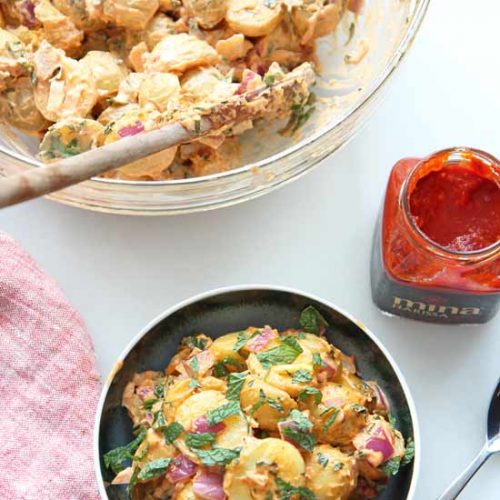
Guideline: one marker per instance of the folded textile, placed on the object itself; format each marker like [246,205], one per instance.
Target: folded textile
[49,386]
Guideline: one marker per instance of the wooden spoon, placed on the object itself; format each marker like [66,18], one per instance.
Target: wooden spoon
[273,101]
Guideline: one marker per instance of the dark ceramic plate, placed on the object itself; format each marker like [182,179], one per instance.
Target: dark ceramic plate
[231,309]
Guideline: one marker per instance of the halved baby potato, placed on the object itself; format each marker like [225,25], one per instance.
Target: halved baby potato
[254,17]
[253,474]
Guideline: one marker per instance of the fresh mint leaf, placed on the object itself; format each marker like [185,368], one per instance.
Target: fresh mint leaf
[391,467]
[220,370]
[310,391]
[358,408]
[149,403]
[220,414]
[153,469]
[311,320]
[409,452]
[323,459]
[114,459]
[283,354]
[331,419]
[194,384]
[241,341]
[195,364]
[303,439]
[217,456]
[234,384]
[337,466]
[200,439]
[392,421]
[303,423]
[301,377]
[317,361]
[287,491]
[160,391]
[195,341]
[172,432]
[274,403]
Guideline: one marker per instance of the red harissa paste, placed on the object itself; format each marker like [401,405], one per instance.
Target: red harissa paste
[457,208]
[436,252]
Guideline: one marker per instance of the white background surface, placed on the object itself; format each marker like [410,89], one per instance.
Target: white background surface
[315,235]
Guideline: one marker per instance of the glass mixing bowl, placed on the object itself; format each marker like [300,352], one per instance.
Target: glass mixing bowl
[355,63]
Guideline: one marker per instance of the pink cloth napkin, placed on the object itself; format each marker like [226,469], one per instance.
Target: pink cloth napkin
[49,387]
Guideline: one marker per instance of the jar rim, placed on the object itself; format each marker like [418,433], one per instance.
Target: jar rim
[450,157]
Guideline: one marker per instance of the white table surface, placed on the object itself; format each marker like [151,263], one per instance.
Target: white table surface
[315,235]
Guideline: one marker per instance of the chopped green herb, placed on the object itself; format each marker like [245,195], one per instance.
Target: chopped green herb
[149,403]
[303,423]
[317,361]
[241,341]
[197,126]
[217,456]
[322,459]
[194,384]
[391,467]
[114,459]
[331,419]
[287,491]
[220,414]
[172,432]
[311,320]
[358,408]
[310,391]
[352,29]
[274,403]
[220,370]
[160,391]
[234,384]
[337,466]
[303,439]
[195,341]
[409,452]
[108,128]
[195,364]
[132,482]
[198,440]
[301,376]
[392,421]
[269,79]
[153,469]
[159,419]
[285,353]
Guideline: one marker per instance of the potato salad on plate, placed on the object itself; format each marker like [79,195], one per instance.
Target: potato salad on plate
[258,414]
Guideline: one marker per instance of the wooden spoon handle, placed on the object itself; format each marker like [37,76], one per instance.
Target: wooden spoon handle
[47,179]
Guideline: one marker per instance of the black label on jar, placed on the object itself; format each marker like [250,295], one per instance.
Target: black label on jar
[427,304]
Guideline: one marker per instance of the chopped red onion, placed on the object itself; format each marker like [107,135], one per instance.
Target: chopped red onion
[146,392]
[259,342]
[200,424]
[287,424]
[137,128]
[208,486]
[382,401]
[181,469]
[27,11]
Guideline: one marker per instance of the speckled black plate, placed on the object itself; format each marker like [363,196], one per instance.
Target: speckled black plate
[225,310]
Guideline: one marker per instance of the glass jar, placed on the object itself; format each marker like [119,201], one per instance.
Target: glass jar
[415,277]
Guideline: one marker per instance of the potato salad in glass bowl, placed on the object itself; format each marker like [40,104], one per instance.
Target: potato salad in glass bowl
[80,74]
[258,414]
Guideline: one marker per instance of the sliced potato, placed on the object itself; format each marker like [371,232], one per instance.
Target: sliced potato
[178,53]
[133,14]
[58,29]
[17,107]
[107,70]
[260,462]
[223,347]
[330,473]
[160,90]
[264,402]
[198,405]
[70,137]
[254,17]
[208,13]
